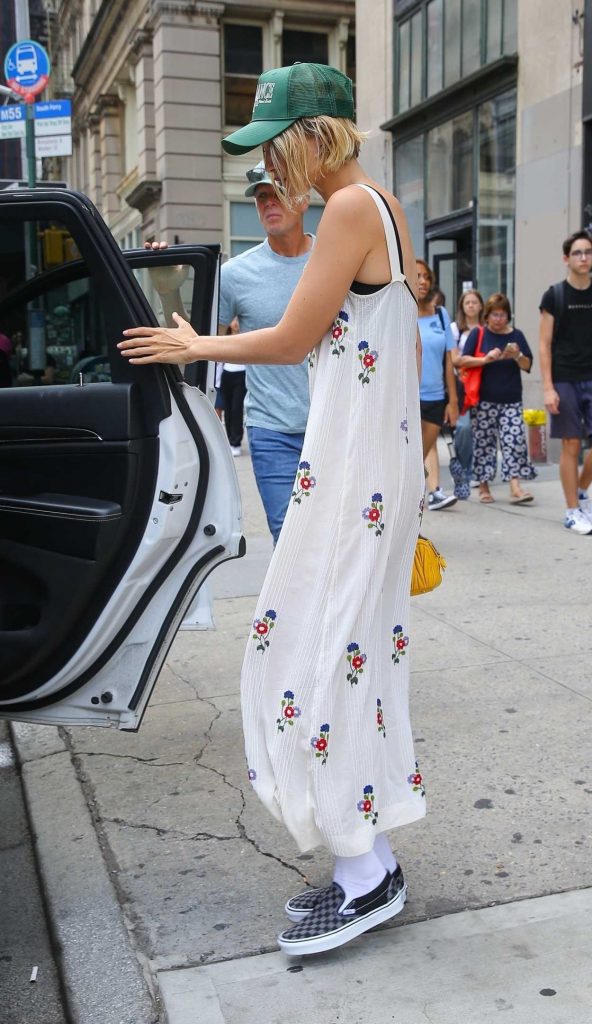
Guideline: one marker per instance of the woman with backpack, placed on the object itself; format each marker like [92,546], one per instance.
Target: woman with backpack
[501,352]
[437,390]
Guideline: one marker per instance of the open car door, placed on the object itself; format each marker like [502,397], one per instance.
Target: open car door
[118,492]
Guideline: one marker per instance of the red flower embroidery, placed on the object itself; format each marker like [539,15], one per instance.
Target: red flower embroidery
[367,805]
[321,744]
[289,712]
[357,662]
[417,780]
[368,360]
[306,483]
[400,645]
[261,629]
[337,332]
[373,515]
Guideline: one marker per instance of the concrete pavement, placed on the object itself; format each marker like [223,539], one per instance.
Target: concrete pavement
[196,872]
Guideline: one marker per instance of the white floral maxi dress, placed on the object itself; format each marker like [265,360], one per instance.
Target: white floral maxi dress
[325,678]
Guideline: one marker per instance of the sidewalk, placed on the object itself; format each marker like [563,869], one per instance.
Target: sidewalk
[194,873]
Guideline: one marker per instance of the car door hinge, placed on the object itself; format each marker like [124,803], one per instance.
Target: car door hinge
[169,499]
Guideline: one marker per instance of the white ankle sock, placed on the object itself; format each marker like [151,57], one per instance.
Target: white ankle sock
[358,875]
[382,849]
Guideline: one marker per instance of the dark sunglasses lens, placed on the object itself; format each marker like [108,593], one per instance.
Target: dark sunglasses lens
[255,175]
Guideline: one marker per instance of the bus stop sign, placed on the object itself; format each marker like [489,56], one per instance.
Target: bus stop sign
[27,68]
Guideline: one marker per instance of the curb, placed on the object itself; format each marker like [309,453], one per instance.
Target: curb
[101,975]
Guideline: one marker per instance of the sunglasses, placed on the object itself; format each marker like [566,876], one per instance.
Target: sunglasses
[256,174]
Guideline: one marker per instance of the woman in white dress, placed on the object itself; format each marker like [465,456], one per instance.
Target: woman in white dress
[326,673]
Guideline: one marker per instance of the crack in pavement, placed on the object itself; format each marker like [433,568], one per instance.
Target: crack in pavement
[241,828]
[198,837]
[150,761]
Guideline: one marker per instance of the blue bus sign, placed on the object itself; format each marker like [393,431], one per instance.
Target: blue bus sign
[27,68]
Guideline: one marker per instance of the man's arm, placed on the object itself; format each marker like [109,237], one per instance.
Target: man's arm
[546,328]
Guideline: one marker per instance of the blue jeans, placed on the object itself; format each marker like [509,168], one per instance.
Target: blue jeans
[275,457]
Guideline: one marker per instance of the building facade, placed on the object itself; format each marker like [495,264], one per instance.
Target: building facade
[155,84]
[477,124]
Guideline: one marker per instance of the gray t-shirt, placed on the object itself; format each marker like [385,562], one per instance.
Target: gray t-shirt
[256,286]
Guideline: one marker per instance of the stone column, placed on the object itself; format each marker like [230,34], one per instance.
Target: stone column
[146,194]
[94,160]
[109,111]
[188,119]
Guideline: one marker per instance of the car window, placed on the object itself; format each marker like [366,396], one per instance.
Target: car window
[164,287]
[51,317]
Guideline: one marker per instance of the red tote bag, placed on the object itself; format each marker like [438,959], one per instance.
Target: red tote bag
[471,377]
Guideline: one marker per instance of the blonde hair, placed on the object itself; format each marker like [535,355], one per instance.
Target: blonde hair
[337,141]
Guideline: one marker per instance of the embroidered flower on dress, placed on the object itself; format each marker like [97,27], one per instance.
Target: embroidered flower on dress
[263,628]
[320,743]
[421,507]
[380,717]
[288,711]
[405,427]
[373,513]
[367,359]
[415,780]
[339,329]
[312,355]
[304,483]
[252,774]
[400,642]
[356,661]
[366,805]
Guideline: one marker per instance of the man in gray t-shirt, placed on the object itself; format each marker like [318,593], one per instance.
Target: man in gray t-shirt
[256,287]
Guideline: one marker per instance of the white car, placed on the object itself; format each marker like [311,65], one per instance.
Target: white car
[118,492]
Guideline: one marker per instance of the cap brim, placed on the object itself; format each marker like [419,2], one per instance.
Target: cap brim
[250,190]
[254,134]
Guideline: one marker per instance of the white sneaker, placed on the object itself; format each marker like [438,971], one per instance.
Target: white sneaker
[577,521]
[586,507]
[236,452]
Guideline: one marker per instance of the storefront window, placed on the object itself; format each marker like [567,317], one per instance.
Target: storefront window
[409,174]
[452,40]
[450,166]
[435,50]
[497,178]
[471,39]
[455,38]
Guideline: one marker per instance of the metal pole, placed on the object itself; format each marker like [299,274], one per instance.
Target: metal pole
[30,141]
[23,31]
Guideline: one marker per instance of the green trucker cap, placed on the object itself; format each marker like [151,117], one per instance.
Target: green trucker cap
[284,95]
[257,176]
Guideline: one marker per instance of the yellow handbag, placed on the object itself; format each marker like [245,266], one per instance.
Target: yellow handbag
[428,566]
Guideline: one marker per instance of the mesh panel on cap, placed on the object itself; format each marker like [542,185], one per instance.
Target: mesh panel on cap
[312,91]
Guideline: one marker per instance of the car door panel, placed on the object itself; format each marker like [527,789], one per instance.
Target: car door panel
[116,498]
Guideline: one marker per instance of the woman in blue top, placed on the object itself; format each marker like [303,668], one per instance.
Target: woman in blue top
[498,415]
[437,390]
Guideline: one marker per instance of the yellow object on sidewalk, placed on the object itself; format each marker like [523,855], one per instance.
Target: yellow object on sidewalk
[535,417]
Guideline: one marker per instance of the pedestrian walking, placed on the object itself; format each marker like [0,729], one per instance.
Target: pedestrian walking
[437,389]
[469,314]
[256,287]
[326,671]
[497,418]
[233,390]
[566,368]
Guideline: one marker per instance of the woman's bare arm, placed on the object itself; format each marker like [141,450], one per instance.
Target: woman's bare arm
[347,234]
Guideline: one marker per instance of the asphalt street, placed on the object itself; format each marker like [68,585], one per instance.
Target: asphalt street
[158,858]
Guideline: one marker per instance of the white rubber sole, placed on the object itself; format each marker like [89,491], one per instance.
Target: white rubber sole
[348,931]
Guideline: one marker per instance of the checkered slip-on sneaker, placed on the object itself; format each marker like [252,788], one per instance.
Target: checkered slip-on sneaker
[334,922]
[299,906]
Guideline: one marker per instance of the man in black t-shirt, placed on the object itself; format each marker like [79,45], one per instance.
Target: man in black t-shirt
[566,367]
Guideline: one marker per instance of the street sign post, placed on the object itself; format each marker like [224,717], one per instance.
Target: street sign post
[53,145]
[53,118]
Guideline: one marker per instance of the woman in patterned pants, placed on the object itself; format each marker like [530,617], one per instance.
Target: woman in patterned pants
[497,418]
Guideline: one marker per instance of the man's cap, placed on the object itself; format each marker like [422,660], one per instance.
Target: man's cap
[284,95]
[257,176]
